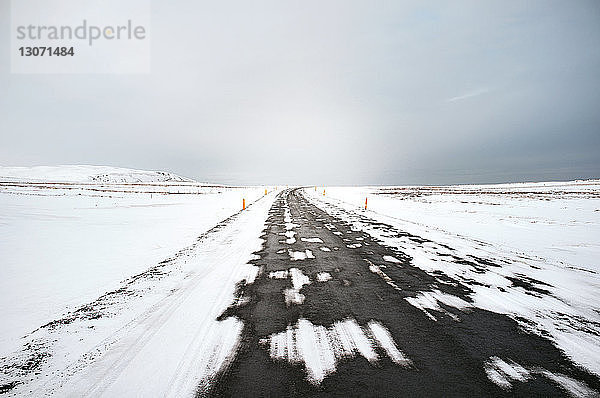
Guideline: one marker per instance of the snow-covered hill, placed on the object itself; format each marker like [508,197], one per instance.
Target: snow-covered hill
[86,174]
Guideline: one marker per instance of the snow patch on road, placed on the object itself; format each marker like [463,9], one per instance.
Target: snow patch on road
[325,249]
[289,225]
[298,278]
[575,388]
[296,255]
[278,274]
[504,373]
[293,295]
[311,240]
[385,341]
[377,270]
[391,259]
[431,300]
[319,348]
[323,276]
[290,237]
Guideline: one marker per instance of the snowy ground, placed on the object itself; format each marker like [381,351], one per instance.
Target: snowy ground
[68,240]
[119,282]
[545,236]
[555,220]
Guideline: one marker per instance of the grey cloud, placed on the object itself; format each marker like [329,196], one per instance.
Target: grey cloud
[334,92]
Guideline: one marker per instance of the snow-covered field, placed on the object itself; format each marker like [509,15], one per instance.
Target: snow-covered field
[541,241]
[556,220]
[102,267]
[69,234]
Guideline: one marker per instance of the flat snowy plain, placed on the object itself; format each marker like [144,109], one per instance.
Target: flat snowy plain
[71,234]
[102,267]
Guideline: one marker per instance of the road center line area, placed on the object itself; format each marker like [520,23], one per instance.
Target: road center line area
[286,299]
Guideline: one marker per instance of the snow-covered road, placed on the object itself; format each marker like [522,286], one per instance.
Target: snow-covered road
[335,311]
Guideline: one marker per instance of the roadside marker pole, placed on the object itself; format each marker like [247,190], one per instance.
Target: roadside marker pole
[244,204]
[366,203]
[265,192]
[323,192]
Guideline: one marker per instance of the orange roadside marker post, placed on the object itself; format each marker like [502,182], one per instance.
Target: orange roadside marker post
[323,192]
[244,204]
[265,191]
[366,203]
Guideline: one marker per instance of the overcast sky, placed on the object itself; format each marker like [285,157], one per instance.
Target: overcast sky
[330,92]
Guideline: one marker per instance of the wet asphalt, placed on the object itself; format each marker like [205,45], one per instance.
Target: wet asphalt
[448,355]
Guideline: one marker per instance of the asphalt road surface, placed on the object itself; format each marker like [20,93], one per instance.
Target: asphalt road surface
[350,314]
